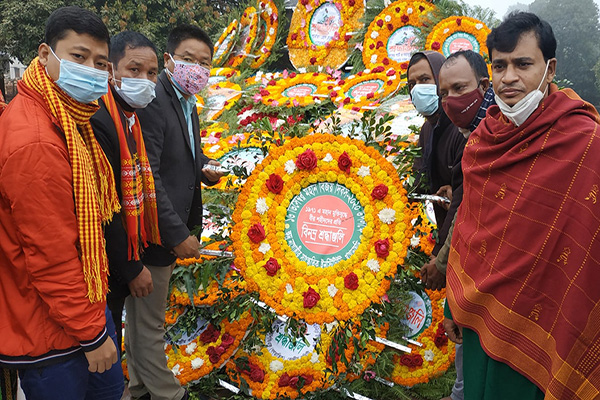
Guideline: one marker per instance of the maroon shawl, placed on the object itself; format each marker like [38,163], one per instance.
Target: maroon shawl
[524,269]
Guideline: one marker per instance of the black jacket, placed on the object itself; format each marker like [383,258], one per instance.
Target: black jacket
[177,176]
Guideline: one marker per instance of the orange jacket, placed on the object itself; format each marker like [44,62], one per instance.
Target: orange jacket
[45,316]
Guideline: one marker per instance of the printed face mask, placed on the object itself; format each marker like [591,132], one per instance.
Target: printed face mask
[189,78]
[462,110]
[425,98]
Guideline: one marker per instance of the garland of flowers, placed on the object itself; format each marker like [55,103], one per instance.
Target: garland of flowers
[222,74]
[279,92]
[209,295]
[304,51]
[397,15]
[436,40]
[434,357]
[213,112]
[225,43]
[248,20]
[424,233]
[270,266]
[207,352]
[388,81]
[268,25]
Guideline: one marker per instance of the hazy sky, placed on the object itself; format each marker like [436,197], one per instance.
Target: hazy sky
[501,6]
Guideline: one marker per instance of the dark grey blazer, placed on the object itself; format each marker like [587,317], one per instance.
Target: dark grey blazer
[176,175]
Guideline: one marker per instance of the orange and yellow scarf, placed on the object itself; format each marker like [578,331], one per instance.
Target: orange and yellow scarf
[93,182]
[137,188]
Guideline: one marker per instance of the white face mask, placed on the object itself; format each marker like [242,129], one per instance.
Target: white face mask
[519,113]
[136,92]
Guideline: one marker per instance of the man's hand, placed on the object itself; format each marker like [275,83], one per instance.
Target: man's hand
[189,248]
[431,277]
[212,175]
[141,285]
[454,331]
[102,358]
[444,191]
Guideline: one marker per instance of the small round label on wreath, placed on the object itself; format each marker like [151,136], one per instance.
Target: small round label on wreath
[324,24]
[246,157]
[281,343]
[365,88]
[402,43]
[418,314]
[301,90]
[324,223]
[460,41]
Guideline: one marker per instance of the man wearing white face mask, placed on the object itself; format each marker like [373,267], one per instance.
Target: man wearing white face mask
[134,71]
[523,269]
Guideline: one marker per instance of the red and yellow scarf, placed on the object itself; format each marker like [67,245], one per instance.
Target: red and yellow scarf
[524,267]
[137,189]
[93,182]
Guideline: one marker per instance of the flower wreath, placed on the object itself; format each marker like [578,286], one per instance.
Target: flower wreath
[326,51]
[434,357]
[208,296]
[423,233]
[271,375]
[249,21]
[285,281]
[268,25]
[398,17]
[386,81]
[208,351]
[215,93]
[225,43]
[221,74]
[469,31]
[295,90]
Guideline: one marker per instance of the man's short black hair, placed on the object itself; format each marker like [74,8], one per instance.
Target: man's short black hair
[505,36]
[127,40]
[77,19]
[475,60]
[184,32]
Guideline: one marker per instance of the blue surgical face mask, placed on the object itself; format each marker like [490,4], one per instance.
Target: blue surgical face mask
[136,92]
[425,98]
[84,84]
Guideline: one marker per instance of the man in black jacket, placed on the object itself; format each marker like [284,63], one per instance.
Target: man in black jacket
[171,134]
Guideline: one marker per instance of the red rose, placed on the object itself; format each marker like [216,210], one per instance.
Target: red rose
[214,358]
[404,65]
[378,69]
[256,374]
[458,21]
[227,340]
[284,380]
[440,339]
[341,82]
[397,9]
[294,36]
[203,133]
[386,61]
[390,27]
[347,37]
[351,3]
[421,8]
[292,75]
[391,72]
[311,298]
[210,334]
[351,281]
[313,60]
[264,92]
[256,233]
[380,23]
[356,109]
[333,94]
[379,192]
[293,381]
[404,19]
[370,96]
[272,266]
[406,359]
[307,160]
[417,360]
[344,162]
[390,83]
[379,44]
[435,45]
[308,379]
[371,46]
[220,350]
[274,183]
[347,100]
[382,248]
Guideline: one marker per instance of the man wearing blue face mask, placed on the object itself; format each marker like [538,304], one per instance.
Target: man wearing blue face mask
[170,128]
[134,72]
[56,191]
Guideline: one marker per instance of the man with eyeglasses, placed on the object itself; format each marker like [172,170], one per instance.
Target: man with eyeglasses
[171,134]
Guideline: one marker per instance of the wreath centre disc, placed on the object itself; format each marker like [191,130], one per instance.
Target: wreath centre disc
[324,23]
[324,223]
[282,345]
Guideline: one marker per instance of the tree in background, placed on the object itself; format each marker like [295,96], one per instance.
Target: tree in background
[577,30]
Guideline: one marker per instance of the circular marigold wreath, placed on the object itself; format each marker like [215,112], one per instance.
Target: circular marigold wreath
[225,43]
[221,74]
[323,48]
[469,31]
[435,355]
[209,295]
[368,87]
[399,19]
[268,25]
[287,279]
[218,98]
[248,29]
[295,90]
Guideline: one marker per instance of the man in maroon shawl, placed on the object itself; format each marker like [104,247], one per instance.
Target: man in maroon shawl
[524,271]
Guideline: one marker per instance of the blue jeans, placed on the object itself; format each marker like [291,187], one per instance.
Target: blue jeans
[71,380]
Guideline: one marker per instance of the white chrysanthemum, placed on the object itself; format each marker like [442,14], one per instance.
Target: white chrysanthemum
[197,363]
[271,31]
[290,167]
[373,265]
[332,290]
[478,26]
[191,348]
[176,369]
[446,30]
[387,215]
[330,326]
[261,205]
[374,35]
[264,248]
[328,158]
[214,148]
[415,240]
[428,355]
[363,171]
[373,59]
[276,365]
[289,288]
[387,2]
[409,11]
[314,358]
[388,18]
[302,70]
